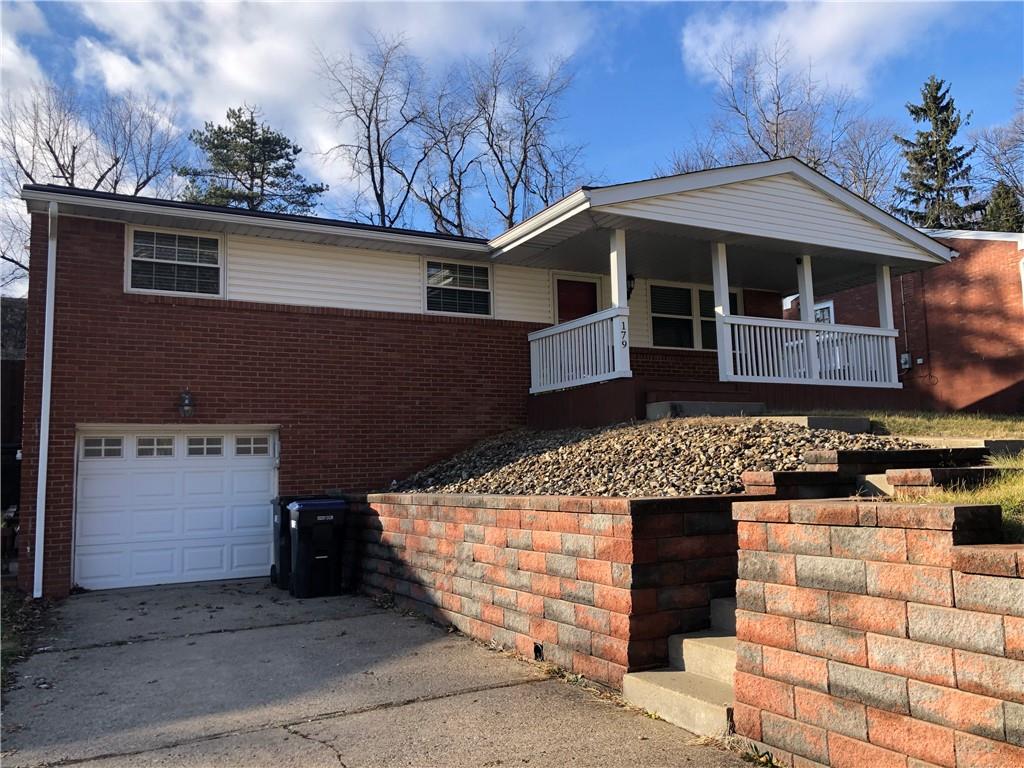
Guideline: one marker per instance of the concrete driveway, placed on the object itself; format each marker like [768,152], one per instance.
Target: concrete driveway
[238,673]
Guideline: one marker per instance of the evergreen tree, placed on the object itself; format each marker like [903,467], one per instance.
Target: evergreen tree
[247,164]
[1003,212]
[937,176]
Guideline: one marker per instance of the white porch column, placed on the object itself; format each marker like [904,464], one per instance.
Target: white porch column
[805,284]
[617,263]
[883,284]
[720,281]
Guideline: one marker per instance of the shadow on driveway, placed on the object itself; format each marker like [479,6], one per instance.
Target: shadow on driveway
[238,673]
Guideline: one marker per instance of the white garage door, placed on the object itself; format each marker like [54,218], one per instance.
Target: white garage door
[165,506]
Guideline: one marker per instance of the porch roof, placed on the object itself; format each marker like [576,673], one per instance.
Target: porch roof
[779,207]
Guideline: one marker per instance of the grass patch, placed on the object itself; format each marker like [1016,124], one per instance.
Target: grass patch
[1007,491]
[20,620]
[932,424]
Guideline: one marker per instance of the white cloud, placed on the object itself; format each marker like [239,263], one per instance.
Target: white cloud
[208,57]
[18,67]
[844,41]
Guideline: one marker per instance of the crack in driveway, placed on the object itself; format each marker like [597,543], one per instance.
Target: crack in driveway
[202,633]
[289,726]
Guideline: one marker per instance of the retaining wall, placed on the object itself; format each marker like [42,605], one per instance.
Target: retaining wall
[875,634]
[594,585]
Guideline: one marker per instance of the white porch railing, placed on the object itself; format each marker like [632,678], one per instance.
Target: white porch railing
[583,351]
[795,352]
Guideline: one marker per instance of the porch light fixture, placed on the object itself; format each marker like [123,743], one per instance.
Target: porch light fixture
[630,284]
[186,404]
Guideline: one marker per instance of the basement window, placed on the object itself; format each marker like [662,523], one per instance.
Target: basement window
[165,262]
[463,289]
[102,447]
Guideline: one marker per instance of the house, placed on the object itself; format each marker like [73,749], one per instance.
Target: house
[961,343]
[187,363]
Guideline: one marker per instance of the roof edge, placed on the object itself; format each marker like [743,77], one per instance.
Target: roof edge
[974,234]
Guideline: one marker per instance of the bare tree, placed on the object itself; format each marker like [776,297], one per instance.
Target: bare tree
[1002,149]
[49,134]
[868,160]
[524,164]
[449,125]
[768,109]
[376,106]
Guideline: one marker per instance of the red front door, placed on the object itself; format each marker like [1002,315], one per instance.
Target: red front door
[576,298]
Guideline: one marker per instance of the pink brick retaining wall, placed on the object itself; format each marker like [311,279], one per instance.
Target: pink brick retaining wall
[597,583]
[872,635]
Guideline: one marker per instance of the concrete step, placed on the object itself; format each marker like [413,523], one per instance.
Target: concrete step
[723,615]
[699,704]
[710,653]
[666,408]
[875,484]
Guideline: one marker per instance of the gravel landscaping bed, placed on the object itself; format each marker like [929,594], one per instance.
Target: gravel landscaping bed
[670,457]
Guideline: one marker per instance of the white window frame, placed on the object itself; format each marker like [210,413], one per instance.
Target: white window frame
[103,447]
[445,260]
[830,305]
[155,447]
[131,229]
[695,316]
[252,445]
[206,441]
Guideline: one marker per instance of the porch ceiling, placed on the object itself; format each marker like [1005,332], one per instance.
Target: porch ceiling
[663,251]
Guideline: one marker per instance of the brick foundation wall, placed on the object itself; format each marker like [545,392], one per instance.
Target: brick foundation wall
[871,634]
[599,583]
[361,398]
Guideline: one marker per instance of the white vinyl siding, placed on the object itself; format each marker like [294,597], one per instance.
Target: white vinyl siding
[782,207]
[640,315]
[277,272]
[523,294]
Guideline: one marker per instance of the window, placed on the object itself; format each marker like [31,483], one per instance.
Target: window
[252,446]
[154,446]
[684,316]
[161,261]
[460,288]
[205,446]
[101,448]
[824,312]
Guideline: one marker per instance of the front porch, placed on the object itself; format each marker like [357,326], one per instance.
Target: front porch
[724,270]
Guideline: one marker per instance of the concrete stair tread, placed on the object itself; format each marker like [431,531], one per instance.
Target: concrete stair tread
[710,653]
[691,701]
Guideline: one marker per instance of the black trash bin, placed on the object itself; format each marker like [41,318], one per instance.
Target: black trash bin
[281,569]
[317,534]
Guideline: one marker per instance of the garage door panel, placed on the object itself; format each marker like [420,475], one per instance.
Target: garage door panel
[203,521]
[155,522]
[206,561]
[148,485]
[250,519]
[159,519]
[251,555]
[154,562]
[204,483]
[250,481]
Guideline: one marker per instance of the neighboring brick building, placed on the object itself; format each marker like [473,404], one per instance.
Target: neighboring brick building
[206,359]
[961,325]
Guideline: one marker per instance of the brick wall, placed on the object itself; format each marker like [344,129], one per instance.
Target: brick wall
[361,397]
[965,319]
[599,583]
[870,634]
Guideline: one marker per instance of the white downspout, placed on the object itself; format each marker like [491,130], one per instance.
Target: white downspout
[44,408]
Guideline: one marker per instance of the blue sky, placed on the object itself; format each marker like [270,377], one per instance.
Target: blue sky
[641,83]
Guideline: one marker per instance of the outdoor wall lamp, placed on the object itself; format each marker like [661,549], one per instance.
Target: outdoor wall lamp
[630,284]
[186,404]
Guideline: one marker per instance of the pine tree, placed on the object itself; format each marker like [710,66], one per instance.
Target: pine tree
[937,176]
[1003,212]
[247,164]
